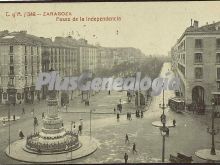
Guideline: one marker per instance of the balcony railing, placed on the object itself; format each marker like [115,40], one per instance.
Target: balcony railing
[198,62]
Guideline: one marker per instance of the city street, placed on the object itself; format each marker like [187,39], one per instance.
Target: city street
[187,137]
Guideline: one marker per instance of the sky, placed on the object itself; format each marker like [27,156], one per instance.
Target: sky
[153,27]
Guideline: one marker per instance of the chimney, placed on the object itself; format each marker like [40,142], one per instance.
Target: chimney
[207,23]
[196,24]
[191,21]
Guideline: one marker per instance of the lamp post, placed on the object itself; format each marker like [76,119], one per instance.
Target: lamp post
[91,110]
[72,136]
[9,126]
[163,107]
[164,130]
[212,130]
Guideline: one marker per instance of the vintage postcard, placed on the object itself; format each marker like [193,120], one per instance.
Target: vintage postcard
[109,82]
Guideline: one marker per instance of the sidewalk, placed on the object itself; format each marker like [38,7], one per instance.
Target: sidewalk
[205,154]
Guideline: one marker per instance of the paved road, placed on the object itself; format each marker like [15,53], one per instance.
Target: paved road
[189,135]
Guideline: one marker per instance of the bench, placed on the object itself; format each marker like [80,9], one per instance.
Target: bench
[174,159]
[187,159]
[180,158]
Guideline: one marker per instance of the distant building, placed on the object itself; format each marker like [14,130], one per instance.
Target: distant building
[196,61]
[24,56]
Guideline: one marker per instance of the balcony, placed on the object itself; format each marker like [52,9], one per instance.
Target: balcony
[198,62]
[11,74]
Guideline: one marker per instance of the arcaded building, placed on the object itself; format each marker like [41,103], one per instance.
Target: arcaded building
[196,61]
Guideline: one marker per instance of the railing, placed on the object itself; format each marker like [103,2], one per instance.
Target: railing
[66,145]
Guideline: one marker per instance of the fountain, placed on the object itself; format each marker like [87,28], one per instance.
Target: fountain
[53,143]
[53,138]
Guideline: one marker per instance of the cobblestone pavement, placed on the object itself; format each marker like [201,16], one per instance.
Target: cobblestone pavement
[187,137]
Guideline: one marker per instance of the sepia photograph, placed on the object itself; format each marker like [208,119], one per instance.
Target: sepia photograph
[110,82]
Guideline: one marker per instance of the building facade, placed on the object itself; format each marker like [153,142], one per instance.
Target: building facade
[196,61]
[20,64]
[24,56]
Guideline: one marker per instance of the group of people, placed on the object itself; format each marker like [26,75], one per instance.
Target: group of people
[139,113]
[133,148]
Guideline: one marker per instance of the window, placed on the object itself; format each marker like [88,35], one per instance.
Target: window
[198,57]
[218,43]
[25,49]
[11,81]
[218,73]
[217,57]
[11,59]
[199,73]
[198,43]
[25,60]
[25,69]
[37,50]
[25,80]
[218,86]
[11,49]
[32,52]
[11,69]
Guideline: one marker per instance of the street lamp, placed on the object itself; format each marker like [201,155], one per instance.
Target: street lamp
[9,125]
[163,107]
[163,131]
[72,122]
[212,130]
[91,110]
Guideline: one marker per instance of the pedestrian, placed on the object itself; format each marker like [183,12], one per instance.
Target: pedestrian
[126,138]
[42,115]
[21,135]
[174,122]
[80,129]
[109,92]
[127,116]
[74,129]
[118,116]
[134,148]
[142,114]
[126,157]
[23,111]
[35,121]
[14,117]
[81,123]
[130,116]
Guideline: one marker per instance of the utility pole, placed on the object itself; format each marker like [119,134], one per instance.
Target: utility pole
[213,131]
[9,128]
